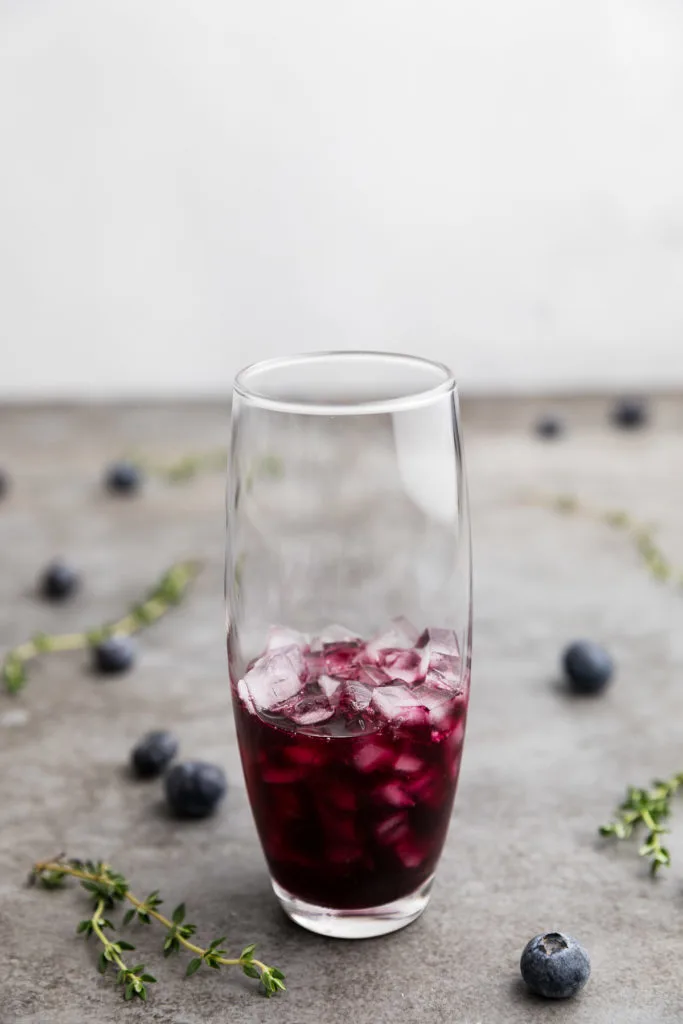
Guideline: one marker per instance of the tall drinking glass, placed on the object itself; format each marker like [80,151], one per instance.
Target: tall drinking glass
[348,587]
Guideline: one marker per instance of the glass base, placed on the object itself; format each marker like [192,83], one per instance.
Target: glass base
[355,924]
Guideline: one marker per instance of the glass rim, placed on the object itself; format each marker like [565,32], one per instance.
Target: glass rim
[399,403]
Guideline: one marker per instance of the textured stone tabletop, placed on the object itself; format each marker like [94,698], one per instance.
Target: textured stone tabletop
[541,771]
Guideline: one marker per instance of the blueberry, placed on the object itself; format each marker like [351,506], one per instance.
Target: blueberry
[151,754]
[588,666]
[114,655]
[555,966]
[549,427]
[58,582]
[195,788]
[123,477]
[629,413]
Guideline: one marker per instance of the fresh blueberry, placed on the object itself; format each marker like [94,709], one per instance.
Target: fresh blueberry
[588,666]
[629,413]
[4,483]
[195,788]
[555,966]
[123,477]
[549,427]
[150,755]
[114,655]
[58,582]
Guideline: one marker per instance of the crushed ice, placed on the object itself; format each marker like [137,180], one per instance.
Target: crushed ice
[399,675]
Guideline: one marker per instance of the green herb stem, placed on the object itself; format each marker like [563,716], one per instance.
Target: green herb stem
[226,961]
[109,947]
[167,592]
[648,808]
[107,887]
[185,468]
[640,534]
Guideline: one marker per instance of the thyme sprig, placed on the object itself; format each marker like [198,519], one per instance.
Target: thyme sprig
[185,468]
[134,979]
[109,888]
[168,591]
[649,809]
[193,464]
[639,533]
[642,809]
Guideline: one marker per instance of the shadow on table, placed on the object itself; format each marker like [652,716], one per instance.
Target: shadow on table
[539,1008]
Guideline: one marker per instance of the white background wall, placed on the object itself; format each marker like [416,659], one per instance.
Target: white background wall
[188,185]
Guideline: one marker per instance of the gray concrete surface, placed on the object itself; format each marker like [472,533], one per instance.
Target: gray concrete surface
[541,771]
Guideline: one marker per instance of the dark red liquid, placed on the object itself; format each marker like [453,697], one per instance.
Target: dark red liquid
[353,813]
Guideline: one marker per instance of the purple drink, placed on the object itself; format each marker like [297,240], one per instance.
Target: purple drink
[351,754]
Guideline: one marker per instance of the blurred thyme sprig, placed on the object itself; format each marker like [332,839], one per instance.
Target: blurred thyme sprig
[640,534]
[647,808]
[185,468]
[189,466]
[109,888]
[167,592]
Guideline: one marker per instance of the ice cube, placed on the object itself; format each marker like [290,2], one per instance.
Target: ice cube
[426,787]
[329,686]
[458,735]
[454,738]
[401,634]
[331,635]
[400,705]
[370,756]
[245,696]
[283,636]
[310,710]
[314,665]
[447,664]
[410,853]
[439,681]
[408,764]
[394,794]
[429,786]
[443,641]
[341,659]
[353,697]
[443,670]
[373,675]
[404,665]
[437,701]
[275,677]
[392,830]
[305,753]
